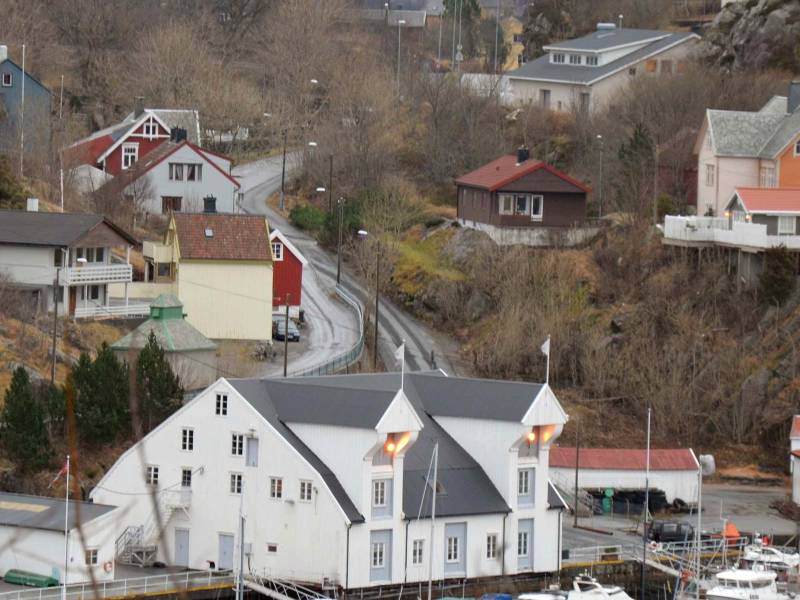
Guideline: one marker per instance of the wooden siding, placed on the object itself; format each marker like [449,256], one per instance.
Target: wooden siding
[771,221]
[560,209]
[101,236]
[287,278]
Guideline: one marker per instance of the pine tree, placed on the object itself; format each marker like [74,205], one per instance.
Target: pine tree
[160,390]
[25,436]
[778,279]
[101,397]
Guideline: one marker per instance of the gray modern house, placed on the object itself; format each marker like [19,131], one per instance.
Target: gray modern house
[33,113]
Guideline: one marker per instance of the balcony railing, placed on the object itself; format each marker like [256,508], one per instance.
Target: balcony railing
[723,232]
[180,499]
[119,273]
[157,252]
[96,311]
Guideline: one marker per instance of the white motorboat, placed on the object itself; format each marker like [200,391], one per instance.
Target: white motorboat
[745,584]
[584,587]
[770,558]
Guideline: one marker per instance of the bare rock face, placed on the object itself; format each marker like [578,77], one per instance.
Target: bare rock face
[756,34]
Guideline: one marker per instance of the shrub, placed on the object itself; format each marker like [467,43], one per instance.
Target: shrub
[434,222]
[308,217]
[24,433]
[778,277]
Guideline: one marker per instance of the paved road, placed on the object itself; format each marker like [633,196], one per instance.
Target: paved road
[332,322]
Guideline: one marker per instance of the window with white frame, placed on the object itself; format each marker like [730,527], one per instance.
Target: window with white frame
[558,58]
[222,404]
[537,208]
[575,59]
[379,492]
[709,175]
[236,483]
[786,225]
[194,172]
[90,556]
[277,250]
[150,128]
[186,478]
[452,549]
[8,79]
[416,552]
[797,148]
[521,205]
[506,204]
[276,487]
[151,475]
[491,545]
[523,483]
[305,491]
[767,177]
[187,439]
[175,172]
[237,444]
[378,555]
[130,154]
[522,543]
[591,61]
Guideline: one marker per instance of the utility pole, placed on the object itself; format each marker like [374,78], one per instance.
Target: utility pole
[339,244]
[286,336]
[600,194]
[240,579]
[646,503]
[330,184]
[22,119]
[655,183]
[496,35]
[377,307]
[439,55]
[577,461]
[400,24]
[283,174]
[55,323]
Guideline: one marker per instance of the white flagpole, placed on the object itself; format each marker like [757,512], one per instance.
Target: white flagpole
[547,375]
[403,364]
[66,535]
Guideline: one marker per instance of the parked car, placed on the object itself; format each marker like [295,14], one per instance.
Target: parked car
[670,531]
[279,329]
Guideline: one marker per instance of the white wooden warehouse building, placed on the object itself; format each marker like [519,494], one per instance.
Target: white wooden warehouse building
[32,537]
[331,471]
[674,471]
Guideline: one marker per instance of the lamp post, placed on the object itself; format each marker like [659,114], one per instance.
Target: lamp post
[362,234]
[439,55]
[330,183]
[340,202]
[400,24]
[600,191]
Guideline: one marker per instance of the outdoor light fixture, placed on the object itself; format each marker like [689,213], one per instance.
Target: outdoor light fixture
[312,144]
[320,189]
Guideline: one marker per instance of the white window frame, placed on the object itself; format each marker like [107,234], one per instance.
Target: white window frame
[591,60]
[276,488]
[10,79]
[277,250]
[90,557]
[527,210]
[787,225]
[221,406]
[523,482]
[379,493]
[559,58]
[540,216]
[235,484]
[126,154]
[767,177]
[576,59]
[187,439]
[502,199]
[453,550]
[306,490]
[710,175]
[523,543]
[150,129]
[237,444]
[491,545]
[378,559]
[184,471]
[151,475]
[417,552]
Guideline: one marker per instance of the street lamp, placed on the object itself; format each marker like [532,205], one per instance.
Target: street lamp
[340,202]
[400,24]
[312,144]
[600,192]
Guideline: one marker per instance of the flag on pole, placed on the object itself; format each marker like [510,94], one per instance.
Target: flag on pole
[400,355]
[64,470]
[546,347]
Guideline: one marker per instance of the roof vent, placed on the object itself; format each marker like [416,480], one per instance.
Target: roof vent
[606,26]
[209,232]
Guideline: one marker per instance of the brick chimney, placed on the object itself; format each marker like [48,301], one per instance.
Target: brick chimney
[522,154]
[138,106]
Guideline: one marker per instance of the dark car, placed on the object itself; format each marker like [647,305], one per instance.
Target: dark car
[670,531]
[279,329]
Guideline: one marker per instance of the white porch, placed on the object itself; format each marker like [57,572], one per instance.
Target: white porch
[706,231]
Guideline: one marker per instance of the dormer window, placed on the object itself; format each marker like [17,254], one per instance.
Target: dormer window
[558,58]
[7,79]
[591,61]
[575,59]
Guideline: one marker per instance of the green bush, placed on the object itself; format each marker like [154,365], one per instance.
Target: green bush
[666,206]
[433,222]
[309,218]
[24,433]
[12,194]
[778,278]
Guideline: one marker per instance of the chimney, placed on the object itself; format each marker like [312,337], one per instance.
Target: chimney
[138,106]
[209,204]
[32,205]
[793,100]
[3,53]
[173,133]
[522,154]
[180,134]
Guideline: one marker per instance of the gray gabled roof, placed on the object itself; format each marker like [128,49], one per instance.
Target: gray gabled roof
[43,512]
[360,401]
[173,335]
[784,134]
[34,228]
[604,39]
[741,133]
[542,69]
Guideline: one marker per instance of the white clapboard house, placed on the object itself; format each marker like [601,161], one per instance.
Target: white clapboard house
[330,474]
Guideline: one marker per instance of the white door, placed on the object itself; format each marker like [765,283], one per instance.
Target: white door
[181,548]
[225,552]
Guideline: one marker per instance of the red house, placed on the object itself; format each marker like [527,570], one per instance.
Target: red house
[117,148]
[287,272]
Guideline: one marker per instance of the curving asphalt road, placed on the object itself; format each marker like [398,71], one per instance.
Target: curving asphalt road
[333,327]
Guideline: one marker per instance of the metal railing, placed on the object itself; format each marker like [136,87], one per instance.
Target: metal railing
[120,273]
[597,554]
[97,311]
[139,586]
[280,589]
[341,361]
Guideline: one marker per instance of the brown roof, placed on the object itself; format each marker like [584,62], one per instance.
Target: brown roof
[34,228]
[628,459]
[215,236]
[502,171]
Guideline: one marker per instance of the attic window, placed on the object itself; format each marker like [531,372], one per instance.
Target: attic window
[7,79]
[209,232]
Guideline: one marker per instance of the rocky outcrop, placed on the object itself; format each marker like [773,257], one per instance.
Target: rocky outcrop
[749,34]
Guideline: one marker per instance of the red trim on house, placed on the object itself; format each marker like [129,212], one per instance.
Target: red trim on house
[769,199]
[504,170]
[201,151]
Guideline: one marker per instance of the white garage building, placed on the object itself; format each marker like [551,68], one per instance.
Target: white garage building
[32,537]
[673,471]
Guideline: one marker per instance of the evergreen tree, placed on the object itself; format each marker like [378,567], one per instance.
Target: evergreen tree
[101,397]
[160,390]
[24,436]
[778,278]
[636,165]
